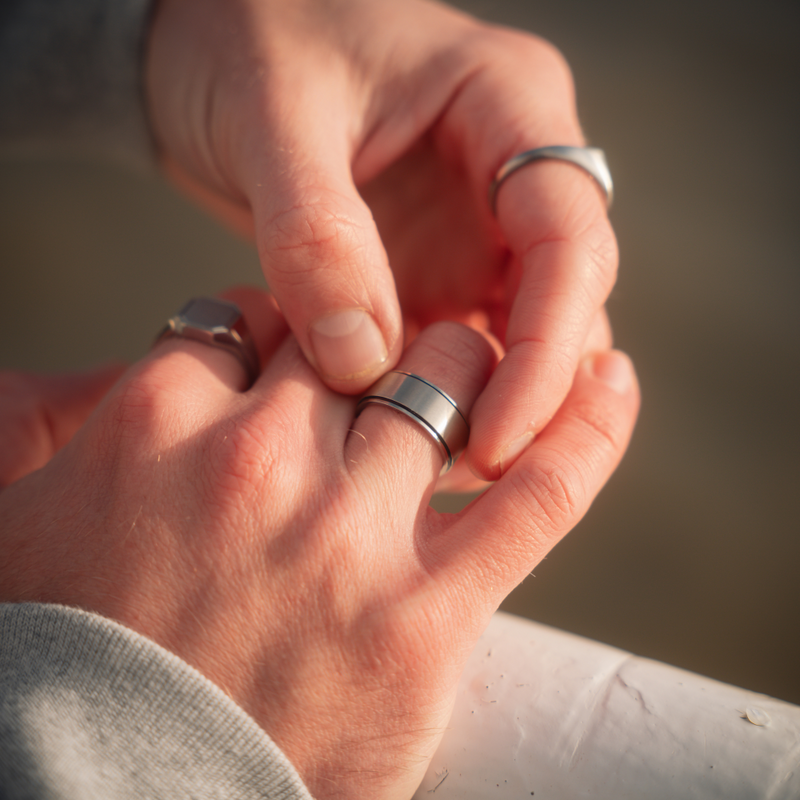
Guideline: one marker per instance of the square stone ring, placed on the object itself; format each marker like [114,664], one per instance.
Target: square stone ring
[217,323]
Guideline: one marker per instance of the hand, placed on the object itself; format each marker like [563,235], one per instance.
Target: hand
[40,413]
[357,135]
[287,550]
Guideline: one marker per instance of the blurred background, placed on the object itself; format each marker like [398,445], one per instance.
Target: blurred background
[691,555]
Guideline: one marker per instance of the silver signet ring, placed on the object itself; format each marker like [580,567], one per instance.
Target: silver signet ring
[217,323]
[591,160]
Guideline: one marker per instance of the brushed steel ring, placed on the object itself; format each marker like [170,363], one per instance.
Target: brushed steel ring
[430,407]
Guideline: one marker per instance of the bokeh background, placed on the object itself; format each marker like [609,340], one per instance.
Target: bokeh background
[692,553]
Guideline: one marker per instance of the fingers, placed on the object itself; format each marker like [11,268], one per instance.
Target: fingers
[318,244]
[552,218]
[321,255]
[563,284]
[323,259]
[389,444]
[262,120]
[507,531]
[40,413]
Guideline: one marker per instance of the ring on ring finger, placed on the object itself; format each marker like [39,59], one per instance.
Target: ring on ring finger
[217,323]
[430,407]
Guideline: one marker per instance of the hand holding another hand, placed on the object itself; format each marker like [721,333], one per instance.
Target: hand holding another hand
[356,141]
[268,535]
[287,550]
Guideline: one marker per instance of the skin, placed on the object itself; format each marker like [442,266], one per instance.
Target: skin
[355,141]
[282,547]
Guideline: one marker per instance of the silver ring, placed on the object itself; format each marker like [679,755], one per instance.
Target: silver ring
[427,405]
[589,159]
[217,323]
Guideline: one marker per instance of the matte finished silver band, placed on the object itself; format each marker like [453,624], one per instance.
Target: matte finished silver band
[217,323]
[431,408]
[589,159]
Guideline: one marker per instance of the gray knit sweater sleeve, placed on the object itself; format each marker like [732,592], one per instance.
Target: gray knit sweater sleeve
[91,710]
[70,78]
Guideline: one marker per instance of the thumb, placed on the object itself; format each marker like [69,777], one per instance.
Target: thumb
[325,263]
[258,107]
[39,414]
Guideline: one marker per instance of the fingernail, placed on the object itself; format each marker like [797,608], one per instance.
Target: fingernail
[347,343]
[513,450]
[614,369]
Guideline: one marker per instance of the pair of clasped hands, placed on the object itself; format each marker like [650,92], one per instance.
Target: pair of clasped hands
[266,535]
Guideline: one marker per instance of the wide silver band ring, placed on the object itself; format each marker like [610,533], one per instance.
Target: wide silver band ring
[589,159]
[217,323]
[431,408]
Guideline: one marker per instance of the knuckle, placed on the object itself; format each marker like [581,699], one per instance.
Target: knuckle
[135,406]
[245,459]
[309,237]
[549,361]
[600,264]
[147,403]
[604,255]
[599,423]
[550,498]
[530,81]
[510,48]
[542,504]
[592,250]
[551,61]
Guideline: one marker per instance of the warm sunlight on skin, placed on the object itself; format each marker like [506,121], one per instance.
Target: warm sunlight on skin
[267,535]
[356,141]
[285,548]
